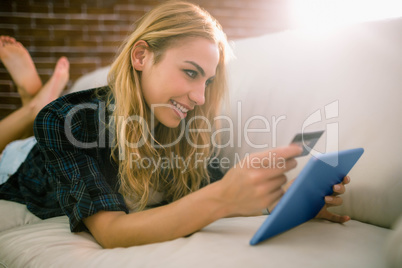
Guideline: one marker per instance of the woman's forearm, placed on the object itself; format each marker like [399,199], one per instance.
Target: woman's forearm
[244,190]
[183,217]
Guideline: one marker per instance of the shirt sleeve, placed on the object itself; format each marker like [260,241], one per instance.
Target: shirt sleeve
[82,189]
[214,170]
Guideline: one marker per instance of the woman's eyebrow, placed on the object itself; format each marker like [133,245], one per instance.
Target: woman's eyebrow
[196,66]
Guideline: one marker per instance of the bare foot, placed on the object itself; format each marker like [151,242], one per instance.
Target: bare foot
[53,88]
[19,64]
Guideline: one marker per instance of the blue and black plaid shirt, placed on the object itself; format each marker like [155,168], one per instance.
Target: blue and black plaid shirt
[70,170]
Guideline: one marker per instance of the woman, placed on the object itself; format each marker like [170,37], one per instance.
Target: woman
[100,146]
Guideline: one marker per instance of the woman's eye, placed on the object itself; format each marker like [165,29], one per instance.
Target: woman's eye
[209,81]
[191,73]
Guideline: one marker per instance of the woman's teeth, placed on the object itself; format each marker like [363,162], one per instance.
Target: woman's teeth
[178,106]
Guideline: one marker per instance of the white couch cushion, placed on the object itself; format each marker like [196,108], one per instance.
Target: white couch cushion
[93,79]
[224,243]
[393,246]
[14,215]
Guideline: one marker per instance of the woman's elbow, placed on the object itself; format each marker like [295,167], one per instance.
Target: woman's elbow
[104,228]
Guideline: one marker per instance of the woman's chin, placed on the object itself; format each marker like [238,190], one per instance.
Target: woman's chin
[172,124]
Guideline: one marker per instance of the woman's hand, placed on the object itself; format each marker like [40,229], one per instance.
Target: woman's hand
[334,200]
[256,182]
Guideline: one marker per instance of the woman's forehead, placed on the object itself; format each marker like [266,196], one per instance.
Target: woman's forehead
[196,49]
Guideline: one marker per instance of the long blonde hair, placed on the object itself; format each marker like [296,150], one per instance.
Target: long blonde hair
[160,28]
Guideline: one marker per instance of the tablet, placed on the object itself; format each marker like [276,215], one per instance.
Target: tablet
[305,197]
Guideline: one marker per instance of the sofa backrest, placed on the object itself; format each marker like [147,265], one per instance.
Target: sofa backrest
[347,82]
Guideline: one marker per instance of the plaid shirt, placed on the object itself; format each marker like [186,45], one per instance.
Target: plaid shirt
[60,178]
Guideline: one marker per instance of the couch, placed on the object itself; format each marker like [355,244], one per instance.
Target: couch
[347,81]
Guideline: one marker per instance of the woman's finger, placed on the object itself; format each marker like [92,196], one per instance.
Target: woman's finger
[273,199]
[333,201]
[346,180]
[336,218]
[286,152]
[276,183]
[339,189]
[276,169]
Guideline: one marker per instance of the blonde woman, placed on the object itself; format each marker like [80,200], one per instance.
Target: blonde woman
[102,148]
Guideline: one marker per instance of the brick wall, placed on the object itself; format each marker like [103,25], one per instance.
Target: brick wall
[88,32]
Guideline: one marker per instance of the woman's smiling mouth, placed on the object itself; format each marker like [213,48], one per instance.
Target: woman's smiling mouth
[179,109]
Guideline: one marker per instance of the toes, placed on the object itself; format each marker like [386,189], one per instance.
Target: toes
[7,40]
[19,44]
[62,64]
[3,40]
[10,40]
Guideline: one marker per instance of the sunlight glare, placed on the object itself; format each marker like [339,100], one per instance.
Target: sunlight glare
[317,15]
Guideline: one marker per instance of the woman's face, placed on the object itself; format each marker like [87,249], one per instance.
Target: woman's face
[177,83]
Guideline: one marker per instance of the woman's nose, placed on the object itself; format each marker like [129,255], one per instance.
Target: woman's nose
[197,94]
